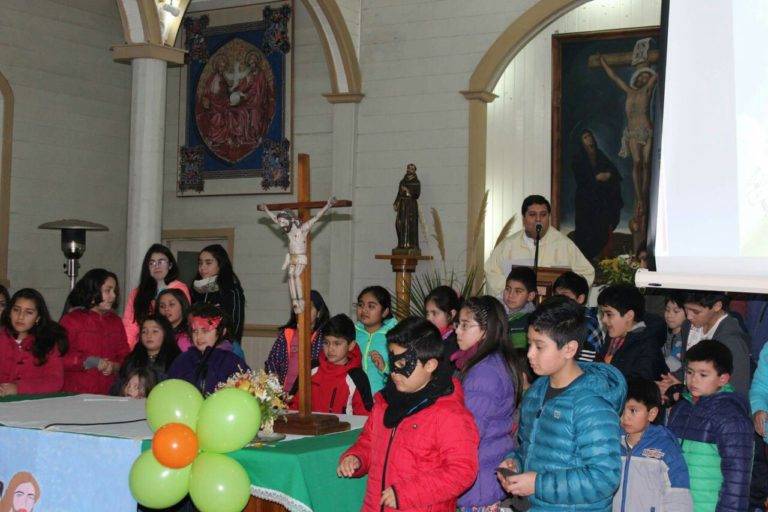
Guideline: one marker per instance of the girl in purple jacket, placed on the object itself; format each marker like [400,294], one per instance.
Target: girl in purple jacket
[210,361]
[488,373]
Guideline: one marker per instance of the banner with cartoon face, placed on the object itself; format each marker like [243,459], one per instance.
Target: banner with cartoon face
[57,471]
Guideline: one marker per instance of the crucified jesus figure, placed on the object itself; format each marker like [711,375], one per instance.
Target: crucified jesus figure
[296,259]
[638,134]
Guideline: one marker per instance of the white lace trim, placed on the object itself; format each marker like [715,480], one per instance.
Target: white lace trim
[274,496]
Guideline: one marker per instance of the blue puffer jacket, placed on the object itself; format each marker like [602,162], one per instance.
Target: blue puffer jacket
[572,441]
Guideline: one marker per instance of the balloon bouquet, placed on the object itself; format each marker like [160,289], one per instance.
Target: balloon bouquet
[191,437]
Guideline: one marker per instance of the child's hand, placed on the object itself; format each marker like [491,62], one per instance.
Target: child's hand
[668,380]
[107,367]
[510,465]
[758,419]
[348,466]
[378,360]
[388,498]
[523,484]
[103,365]
[8,389]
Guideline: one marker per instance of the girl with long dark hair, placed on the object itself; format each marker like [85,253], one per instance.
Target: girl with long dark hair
[158,272]
[31,346]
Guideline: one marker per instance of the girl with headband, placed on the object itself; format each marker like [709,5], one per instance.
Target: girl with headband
[211,359]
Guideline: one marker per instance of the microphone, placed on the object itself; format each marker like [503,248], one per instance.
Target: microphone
[539,227]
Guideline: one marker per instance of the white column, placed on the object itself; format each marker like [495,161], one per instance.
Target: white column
[145,164]
[343,187]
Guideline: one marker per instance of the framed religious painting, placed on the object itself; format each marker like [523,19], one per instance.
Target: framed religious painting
[235,101]
[603,105]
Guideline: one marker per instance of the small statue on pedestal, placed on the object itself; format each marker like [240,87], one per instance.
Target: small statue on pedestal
[407,208]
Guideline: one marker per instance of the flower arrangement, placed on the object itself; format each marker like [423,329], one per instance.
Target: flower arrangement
[620,270]
[266,388]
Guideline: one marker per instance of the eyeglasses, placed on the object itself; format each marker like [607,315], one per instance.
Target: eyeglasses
[465,325]
[158,263]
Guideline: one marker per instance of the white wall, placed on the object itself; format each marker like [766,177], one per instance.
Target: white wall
[416,55]
[70,138]
[519,121]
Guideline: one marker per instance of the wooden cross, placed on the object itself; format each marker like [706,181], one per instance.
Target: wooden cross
[306,423]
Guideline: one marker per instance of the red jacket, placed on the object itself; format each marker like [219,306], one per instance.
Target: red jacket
[92,334]
[339,389]
[431,457]
[18,366]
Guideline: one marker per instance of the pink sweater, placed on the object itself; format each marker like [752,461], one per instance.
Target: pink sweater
[129,318]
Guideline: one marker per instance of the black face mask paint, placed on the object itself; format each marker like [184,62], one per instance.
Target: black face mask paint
[404,364]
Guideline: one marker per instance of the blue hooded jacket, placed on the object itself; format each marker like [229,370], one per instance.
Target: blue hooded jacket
[572,441]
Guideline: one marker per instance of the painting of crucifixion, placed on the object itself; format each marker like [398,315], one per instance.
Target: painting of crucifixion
[603,115]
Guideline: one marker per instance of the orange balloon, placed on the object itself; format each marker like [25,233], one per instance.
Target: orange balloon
[175,445]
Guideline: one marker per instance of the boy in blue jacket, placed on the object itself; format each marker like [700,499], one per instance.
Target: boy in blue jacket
[654,475]
[569,456]
[715,431]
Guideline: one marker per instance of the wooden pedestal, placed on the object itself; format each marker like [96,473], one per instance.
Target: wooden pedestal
[403,265]
[310,425]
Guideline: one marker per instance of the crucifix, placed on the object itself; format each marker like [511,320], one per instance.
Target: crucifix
[637,138]
[298,262]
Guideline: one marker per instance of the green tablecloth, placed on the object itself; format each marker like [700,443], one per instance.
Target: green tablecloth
[301,474]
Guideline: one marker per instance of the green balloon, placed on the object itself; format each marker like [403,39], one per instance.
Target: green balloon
[156,486]
[173,401]
[229,419]
[218,483]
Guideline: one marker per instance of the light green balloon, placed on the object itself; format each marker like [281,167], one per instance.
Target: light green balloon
[173,401]
[229,419]
[218,483]
[156,486]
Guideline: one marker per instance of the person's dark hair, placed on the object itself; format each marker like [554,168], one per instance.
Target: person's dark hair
[714,352]
[573,282]
[322,313]
[645,392]
[706,299]
[87,291]
[147,376]
[535,199]
[227,279]
[420,334]
[47,332]
[340,326]
[205,310]
[560,319]
[676,298]
[168,350]
[147,289]
[185,305]
[525,276]
[623,298]
[445,299]
[382,297]
[4,293]
[489,313]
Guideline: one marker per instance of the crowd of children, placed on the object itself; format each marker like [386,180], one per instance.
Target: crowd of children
[486,404]
[635,414]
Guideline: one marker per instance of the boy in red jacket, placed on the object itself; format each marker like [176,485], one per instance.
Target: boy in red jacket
[339,384]
[419,445]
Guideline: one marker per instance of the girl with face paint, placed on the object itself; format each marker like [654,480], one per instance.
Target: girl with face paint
[211,359]
[487,365]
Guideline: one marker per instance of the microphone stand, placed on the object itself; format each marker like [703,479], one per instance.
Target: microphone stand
[536,252]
